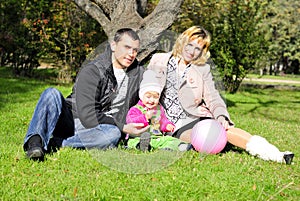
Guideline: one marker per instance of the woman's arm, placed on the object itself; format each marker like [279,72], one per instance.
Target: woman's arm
[213,100]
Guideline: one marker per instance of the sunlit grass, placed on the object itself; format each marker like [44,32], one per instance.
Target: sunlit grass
[82,175]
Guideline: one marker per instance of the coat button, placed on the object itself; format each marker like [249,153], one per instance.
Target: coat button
[197,101]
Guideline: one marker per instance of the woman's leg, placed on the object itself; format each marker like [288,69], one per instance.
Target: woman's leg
[257,146]
[184,133]
[235,136]
[238,137]
[186,136]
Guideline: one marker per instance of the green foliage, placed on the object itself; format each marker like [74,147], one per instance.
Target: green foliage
[18,47]
[236,41]
[281,26]
[67,34]
[55,30]
[246,34]
[77,175]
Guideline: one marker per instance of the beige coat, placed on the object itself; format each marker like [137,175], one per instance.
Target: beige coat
[198,87]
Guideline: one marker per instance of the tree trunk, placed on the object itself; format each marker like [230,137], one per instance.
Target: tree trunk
[115,14]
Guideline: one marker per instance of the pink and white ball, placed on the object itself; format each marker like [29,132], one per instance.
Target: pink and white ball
[208,136]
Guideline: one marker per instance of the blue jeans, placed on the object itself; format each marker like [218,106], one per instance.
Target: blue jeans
[53,118]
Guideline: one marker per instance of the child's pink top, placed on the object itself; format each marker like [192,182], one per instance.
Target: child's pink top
[135,115]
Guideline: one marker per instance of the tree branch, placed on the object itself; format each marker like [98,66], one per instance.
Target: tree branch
[115,14]
[95,12]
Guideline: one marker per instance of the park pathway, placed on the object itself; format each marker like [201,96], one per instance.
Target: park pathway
[272,80]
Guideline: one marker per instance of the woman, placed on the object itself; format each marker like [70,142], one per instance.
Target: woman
[190,95]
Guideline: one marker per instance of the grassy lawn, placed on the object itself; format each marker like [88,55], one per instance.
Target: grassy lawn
[129,175]
[278,77]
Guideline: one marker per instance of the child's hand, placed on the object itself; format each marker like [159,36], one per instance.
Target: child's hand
[170,128]
[149,114]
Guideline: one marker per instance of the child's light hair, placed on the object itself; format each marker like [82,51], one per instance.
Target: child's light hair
[192,33]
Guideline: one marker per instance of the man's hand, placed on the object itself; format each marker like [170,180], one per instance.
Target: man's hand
[134,129]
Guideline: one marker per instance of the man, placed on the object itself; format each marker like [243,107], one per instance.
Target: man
[94,115]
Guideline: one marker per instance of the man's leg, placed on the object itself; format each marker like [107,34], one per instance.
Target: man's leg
[64,128]
[45,117]
[102,137]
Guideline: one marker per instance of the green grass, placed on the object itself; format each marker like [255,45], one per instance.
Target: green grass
[276,77]
[128,175]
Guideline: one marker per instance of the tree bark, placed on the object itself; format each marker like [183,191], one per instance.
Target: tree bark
[115,14]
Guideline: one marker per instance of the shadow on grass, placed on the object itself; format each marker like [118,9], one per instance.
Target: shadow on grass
[229,103]
[273,104]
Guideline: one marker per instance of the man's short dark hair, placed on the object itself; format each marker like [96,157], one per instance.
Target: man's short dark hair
[130,32]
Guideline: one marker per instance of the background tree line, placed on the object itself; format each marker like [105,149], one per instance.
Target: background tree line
[247,35]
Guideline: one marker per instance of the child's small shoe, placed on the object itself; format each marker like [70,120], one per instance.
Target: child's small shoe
[185,146]
[288,157]
[144,144]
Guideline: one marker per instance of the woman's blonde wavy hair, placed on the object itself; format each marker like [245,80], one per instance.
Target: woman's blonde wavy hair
[192,33]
